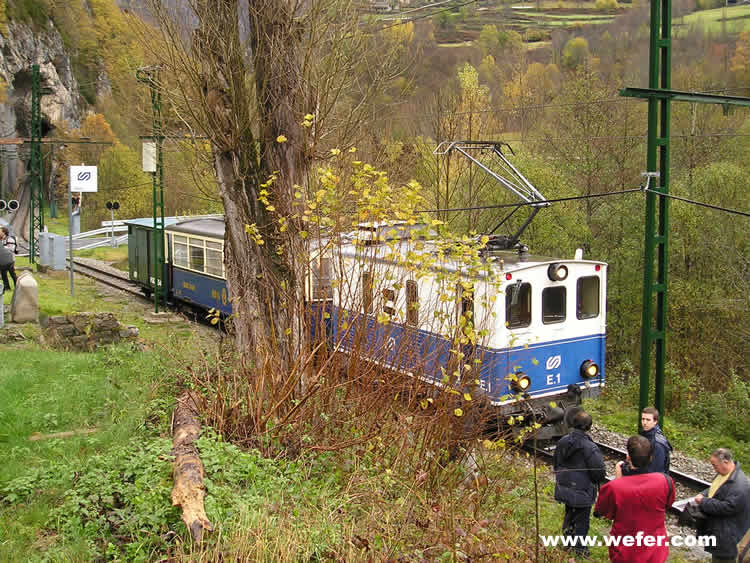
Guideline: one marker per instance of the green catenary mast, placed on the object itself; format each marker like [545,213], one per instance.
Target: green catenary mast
[659,96]
[150,76]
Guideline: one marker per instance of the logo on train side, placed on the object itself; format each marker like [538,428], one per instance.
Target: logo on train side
[553,362]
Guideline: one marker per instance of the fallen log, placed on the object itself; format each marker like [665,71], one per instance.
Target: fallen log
[188,491]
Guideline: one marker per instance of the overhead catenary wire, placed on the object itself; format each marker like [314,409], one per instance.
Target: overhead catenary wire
[580,197]
[527,203]
[700,203]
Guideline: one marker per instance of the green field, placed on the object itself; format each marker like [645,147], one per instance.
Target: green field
[735,18]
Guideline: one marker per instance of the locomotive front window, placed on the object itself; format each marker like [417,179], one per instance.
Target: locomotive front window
[553,305]
[588,298]
[196,255]
[214,259]
[180,251]
[518,305]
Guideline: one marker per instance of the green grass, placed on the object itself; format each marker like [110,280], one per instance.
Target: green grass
[737,19]
[59,224]
[65,499]
[46,391]
[117,256]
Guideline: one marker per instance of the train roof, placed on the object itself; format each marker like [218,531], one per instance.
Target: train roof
[211,227]
[149,221]
[498,260]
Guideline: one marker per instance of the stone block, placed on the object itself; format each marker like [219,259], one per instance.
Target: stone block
[25,305]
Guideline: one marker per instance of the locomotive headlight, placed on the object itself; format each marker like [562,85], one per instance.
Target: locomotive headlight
[557,272]
[589,369]
[522,383]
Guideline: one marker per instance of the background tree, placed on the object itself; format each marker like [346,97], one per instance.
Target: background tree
[273,86]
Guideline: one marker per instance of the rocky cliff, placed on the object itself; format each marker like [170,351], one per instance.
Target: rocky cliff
[20,48]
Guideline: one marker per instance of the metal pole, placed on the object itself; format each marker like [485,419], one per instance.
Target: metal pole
[112,217]
[150,76]
[36,213]
[70,236]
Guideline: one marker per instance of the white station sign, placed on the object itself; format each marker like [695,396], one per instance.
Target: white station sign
[83,179]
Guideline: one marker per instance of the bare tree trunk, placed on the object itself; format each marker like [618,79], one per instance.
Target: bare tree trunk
[265,272]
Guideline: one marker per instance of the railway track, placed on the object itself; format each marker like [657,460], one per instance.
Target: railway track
[685,485]
[110,277]
[684,480]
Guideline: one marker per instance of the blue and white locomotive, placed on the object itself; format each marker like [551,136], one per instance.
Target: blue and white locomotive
[541,321]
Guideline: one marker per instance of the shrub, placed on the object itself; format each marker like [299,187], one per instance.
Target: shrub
[606,5]
[35,12]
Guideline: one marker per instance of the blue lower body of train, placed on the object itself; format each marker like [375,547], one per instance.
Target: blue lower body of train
[553,367]
[200,290]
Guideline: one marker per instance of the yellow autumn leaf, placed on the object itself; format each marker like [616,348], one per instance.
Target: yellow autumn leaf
[281,139]
[467,396]
[458,412]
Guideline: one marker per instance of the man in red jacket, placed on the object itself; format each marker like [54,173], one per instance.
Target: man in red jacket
[637,504]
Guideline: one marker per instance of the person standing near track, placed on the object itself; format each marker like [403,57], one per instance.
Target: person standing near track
[726,505]
[8,247]
[637,505]
[661,449]
[579,469]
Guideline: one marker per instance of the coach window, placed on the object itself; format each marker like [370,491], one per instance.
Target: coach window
[412,303]
[389,301]
[214,259]
[180,251]
[367,292]
[553,305]
[321,278]
[196,254]
[588,297]
[518,305]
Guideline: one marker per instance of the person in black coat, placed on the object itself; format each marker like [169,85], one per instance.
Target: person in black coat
[579,469]
[726,504]
[660,447]
[7,261]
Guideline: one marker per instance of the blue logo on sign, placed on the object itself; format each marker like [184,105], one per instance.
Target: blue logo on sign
[83,176]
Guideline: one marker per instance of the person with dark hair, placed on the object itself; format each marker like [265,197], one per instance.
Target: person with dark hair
[637,504]
[661,448]
[726,504]
[579,469]
[7,259]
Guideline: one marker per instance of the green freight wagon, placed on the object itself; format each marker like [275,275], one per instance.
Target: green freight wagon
[140,251]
